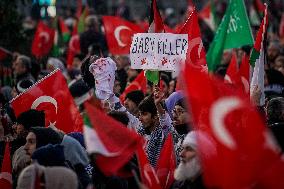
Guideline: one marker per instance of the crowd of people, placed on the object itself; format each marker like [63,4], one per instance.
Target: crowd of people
[46,157]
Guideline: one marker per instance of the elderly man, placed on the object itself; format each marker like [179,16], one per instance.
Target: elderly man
[22,68]
[188,172]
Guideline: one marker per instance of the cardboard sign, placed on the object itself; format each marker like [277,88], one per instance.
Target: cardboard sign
[158,51]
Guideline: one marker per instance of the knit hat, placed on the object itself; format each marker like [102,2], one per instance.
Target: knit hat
[50,155]
[55,177]
[79,137]
[191,140]
[31,118]
[28,176]
[207,149]
[45,136]
[60,178]
[136,96]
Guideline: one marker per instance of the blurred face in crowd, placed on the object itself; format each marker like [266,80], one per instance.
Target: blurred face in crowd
[226,57]
[14,92]
[76,63]
[189,167]
[187,154]
[272,51]
[117,87]
[19,130]
[18,67]
[30,145]
[165,88]
[130,106]
[279,64]
[172,86]
[149,89]
[147,120]
[180,116]
[122,62]
[131,73]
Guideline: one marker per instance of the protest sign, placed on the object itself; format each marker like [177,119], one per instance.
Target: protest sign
[158,51]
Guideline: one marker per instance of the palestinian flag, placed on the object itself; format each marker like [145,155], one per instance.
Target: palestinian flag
[65,33]
[208,15]
[255,53]
[156,26]
[106,138]
[258,59]
[256,12]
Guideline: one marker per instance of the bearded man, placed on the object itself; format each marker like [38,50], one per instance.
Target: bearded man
[188,174]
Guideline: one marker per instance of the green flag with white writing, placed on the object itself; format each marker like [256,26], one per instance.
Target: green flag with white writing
[233,32]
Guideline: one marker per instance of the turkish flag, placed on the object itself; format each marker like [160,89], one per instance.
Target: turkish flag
[6,170]
[139,83]
[147,172]
[43,40]
[236,149]
[195,52]
[73,46]
[119,34]
[111,141]
[167,163]
[52,95]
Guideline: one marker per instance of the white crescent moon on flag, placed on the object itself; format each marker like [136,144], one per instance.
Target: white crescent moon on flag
[191,44]
[42,99]
[218,112]
[245,84]
[117,34]
[45,35]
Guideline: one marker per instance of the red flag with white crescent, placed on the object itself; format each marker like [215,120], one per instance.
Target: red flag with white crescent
[240,145]
[52,95]
[195,52]
[119,34]
[43,40]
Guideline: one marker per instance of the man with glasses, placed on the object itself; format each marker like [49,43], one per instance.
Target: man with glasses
[181,123]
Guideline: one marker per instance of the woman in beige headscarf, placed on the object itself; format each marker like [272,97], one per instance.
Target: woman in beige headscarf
[47,177]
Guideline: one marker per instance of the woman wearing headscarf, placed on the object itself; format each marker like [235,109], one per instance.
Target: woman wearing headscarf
[37,176]
[74,153]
